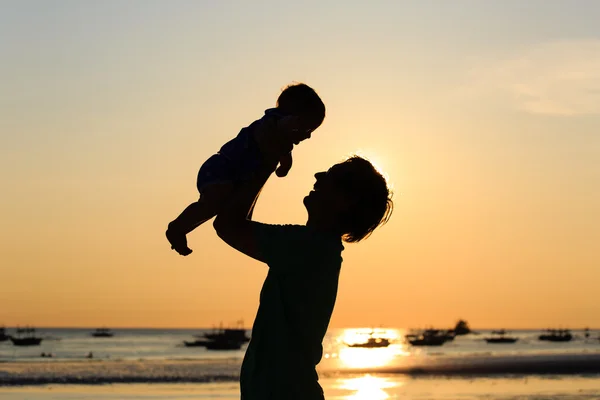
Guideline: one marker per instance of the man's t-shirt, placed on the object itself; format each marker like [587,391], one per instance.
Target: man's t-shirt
[296,303]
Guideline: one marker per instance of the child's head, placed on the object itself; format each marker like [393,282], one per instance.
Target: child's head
[302,101]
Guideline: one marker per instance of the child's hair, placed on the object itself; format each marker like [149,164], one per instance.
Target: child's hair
[302,101]
[369,195]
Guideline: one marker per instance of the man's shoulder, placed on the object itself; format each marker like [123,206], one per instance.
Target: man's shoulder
[284,229]
[315,242]
[300,237]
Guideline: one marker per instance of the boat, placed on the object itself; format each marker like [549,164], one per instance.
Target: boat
[449,334]
[232,334]
[3,336]
[500,337]
[462,328]
[221,344]
[556,335]
[103,332]
[372,342]
[221,338]
[430,337]
[422,340]
[26,337]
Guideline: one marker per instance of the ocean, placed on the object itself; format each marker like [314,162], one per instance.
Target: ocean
[150,356]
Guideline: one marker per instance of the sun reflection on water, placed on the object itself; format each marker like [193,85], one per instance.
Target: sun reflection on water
[368,358]
[367,387]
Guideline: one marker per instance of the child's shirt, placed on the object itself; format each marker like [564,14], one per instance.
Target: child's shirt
[239,147]
[237,159]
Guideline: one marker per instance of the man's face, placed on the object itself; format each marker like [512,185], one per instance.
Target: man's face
[327,195]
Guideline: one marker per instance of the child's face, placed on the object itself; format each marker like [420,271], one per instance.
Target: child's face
[296,127]
[300,134]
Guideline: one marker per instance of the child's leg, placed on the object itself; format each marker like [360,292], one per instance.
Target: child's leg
[211,200]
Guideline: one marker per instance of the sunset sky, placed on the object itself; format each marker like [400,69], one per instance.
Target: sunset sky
[484,115]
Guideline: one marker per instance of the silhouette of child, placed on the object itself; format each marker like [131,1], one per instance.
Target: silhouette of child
[298,112]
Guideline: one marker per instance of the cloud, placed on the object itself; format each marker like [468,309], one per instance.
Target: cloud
[557,78]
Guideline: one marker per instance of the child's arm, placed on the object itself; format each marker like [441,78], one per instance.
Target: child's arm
[285,164]
[273,133]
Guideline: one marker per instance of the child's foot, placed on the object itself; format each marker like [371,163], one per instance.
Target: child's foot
[178,241]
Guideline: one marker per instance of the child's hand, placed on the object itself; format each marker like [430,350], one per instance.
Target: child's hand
[285,164]
[274,138]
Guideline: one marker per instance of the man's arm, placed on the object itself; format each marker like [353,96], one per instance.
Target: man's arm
[233,224]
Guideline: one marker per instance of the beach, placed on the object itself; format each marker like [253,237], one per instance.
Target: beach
[360,387]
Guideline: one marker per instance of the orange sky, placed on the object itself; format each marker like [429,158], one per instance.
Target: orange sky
[491,144]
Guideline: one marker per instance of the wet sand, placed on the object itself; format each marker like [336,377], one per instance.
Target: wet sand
[356,387]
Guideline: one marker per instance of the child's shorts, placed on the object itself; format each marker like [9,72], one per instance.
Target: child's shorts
[220,168]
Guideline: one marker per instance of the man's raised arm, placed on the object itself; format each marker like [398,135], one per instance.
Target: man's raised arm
[232,223]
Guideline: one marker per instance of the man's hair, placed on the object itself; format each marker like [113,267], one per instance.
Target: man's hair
[369,195]
[302,101]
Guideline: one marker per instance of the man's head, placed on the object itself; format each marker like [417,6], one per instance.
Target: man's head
[352,197]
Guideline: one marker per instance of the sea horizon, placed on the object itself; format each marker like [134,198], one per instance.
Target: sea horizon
[249,327]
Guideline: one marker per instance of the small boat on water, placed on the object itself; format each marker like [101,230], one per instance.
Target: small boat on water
[223,345]
[556,335]
[103,332]
[430,337]
[499,337]
[427,340]
[26,337]
[3,336]
[462,328]
[233,334]
[449,334]
[221,338]
[371,342]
